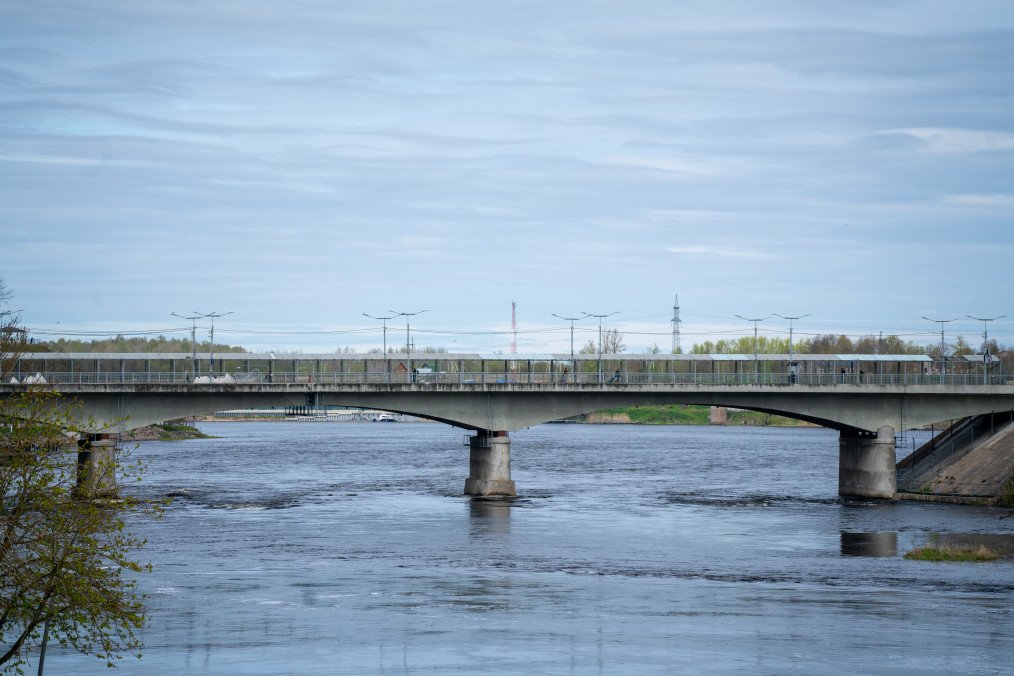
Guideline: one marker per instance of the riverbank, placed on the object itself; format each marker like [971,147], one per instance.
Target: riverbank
[680,414]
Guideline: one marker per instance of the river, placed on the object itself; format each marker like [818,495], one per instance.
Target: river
[317,548]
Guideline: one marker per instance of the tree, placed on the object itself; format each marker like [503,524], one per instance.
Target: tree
[612,342]
[65,564]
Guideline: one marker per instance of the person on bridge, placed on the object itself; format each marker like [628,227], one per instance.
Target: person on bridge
[843,374]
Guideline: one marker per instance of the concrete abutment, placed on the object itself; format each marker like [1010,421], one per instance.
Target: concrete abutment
[489,465]
[866,465]
[96,467]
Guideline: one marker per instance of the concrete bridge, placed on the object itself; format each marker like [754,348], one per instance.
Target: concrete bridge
[867,398]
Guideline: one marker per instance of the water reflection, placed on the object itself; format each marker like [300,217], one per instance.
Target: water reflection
[489,516]
[869,544]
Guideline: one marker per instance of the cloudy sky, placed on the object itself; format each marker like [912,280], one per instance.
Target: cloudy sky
[301,163]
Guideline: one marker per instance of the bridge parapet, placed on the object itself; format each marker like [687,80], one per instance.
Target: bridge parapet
[59,378]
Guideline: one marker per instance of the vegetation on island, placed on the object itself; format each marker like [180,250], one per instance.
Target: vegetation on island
[67,568]
[167,431]
[937,551]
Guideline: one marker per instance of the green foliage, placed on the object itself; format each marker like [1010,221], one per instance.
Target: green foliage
[937,551]
[692,414]
[672,414]
[132,344]
[1006,497]
[65,555]
[821,344]
[743,345]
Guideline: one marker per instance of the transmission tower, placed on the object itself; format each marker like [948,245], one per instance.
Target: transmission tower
[676,321]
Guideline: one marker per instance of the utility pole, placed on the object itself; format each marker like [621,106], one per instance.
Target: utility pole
[756,372]
[600,318]
[676,321]
[408,328]
[790,330]
[387,370]
[193,338]
[211,356]
[985,343]
[943,347]
[383,319]
[571,320]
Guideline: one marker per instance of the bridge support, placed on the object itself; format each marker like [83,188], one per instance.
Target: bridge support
[489,465]
[96,467]
[866,465]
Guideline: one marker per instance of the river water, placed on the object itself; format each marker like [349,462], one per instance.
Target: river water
[316,548]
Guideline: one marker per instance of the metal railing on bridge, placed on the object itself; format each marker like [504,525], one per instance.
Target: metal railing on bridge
[466,379]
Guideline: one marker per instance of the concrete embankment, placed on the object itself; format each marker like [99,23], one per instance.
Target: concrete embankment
[970,463]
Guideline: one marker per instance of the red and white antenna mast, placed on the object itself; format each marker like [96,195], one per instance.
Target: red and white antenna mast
[514,327]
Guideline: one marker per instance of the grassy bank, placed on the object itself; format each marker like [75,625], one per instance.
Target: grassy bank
[679,414]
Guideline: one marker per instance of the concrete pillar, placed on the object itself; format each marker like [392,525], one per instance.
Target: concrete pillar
[96,464]
[489,465]
[866,465]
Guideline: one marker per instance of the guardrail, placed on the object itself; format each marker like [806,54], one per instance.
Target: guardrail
[465,379]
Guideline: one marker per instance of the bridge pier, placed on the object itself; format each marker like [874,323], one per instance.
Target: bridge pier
[96,467]
[866,465]
[489,465]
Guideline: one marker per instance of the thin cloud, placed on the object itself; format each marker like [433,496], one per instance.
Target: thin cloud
[942,140]
[704,250]
[993,200]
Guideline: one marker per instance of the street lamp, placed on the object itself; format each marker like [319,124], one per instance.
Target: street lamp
[211,356]
[571,320]
[193,337]
[755,321]
[600,318]
[408,339]
[383,319]
[943,356]
[790,330]
[985,343]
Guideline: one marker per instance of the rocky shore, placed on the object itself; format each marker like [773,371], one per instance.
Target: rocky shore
[165,432]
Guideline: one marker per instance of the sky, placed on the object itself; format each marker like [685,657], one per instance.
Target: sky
[299,164]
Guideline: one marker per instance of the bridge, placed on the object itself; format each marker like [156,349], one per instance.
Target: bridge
[867,398]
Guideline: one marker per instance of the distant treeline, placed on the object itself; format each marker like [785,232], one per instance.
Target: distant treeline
[124,344]
[821,344]
[840,344]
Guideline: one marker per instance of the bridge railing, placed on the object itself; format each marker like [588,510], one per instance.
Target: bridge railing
[465,379]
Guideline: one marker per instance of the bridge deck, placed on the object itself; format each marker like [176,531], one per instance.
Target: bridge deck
[849,392]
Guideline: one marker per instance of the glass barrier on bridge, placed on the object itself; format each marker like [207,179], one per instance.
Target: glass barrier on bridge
[465,369]
[466,379]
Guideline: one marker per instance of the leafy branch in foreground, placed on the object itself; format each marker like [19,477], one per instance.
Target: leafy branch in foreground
[64,555]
